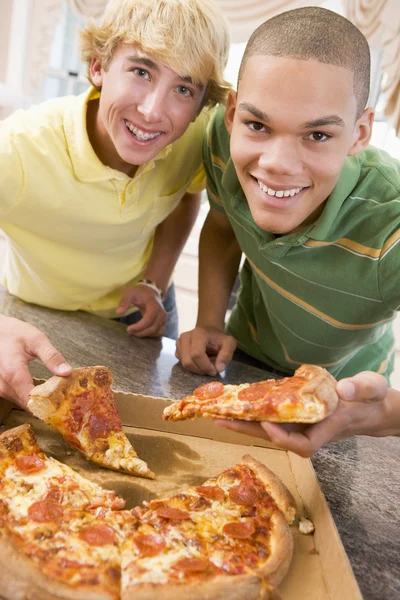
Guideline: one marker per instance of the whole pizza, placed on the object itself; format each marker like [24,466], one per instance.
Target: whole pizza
[63,537]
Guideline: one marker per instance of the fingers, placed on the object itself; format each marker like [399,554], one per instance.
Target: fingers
[152,323]
[363,387]
[123,306]
[191,351]
[310,438]
[15,384]
[224,356]
[50,356]
[245,427]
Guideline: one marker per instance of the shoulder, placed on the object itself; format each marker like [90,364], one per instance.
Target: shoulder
[217,142]
[380,172]
[40,119]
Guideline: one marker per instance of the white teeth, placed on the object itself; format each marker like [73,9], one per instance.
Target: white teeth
[279,193]
[141,135]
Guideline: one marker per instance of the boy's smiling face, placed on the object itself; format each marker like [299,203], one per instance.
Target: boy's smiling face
[292,124]
[144,106]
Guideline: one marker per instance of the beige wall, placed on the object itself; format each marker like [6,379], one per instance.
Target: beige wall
[5,26]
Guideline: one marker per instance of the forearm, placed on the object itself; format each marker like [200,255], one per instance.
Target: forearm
[219,259]
[170,238]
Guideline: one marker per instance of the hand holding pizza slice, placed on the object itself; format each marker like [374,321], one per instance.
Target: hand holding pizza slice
[307,397]
[82,408]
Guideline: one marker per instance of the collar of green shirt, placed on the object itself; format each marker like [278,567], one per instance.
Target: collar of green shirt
[87,166]
[319,230]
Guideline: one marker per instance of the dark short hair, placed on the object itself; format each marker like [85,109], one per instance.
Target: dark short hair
[314,33]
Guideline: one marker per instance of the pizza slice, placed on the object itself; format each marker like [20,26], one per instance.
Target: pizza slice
[307,397]
[29,477]
[59,535]
[82,408]
[227,538]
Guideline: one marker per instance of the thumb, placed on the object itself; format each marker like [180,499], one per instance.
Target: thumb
[53,359]
[363,387]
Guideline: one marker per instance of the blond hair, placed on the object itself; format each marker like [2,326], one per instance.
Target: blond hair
[189,36]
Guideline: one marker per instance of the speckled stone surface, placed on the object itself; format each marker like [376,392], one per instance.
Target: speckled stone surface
[360,477]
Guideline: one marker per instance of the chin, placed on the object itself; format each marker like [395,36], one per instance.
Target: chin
[272,225]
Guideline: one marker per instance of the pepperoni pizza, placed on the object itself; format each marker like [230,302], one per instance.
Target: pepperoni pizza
[307,397]
[63,537]
[82,408]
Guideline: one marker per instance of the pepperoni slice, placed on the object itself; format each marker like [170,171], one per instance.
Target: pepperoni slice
[149,544]
[97,535]
[29,463]
[255,391]
[243,494]
[168,512]
[241,530]
[98,427]
[45,511]
[209,390]
[191,565]
[213,492]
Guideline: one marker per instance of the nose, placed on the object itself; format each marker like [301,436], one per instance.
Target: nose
[282,156]
[152,105]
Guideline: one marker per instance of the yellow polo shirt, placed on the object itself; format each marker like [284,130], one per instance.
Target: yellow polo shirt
[79,232]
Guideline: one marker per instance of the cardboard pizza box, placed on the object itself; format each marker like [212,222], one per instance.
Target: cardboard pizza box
[189,452]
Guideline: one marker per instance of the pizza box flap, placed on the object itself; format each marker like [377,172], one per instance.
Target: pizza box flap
[187,453]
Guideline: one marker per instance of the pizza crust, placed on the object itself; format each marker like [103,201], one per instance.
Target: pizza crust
[18,438]
[238,587]
[274,486]
[49,396]
[21,579]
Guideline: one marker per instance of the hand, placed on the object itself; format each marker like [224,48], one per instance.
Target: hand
[21,343]
[194,349]
[362,410]
[154,316]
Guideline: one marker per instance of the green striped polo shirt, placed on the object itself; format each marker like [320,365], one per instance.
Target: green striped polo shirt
[326,295]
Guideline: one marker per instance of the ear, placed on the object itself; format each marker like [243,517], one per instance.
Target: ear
[230,110]
[362,132]
[96,72]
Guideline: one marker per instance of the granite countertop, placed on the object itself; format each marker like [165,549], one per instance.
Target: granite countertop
[359,476]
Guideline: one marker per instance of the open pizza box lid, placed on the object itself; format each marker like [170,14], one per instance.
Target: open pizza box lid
[189,452]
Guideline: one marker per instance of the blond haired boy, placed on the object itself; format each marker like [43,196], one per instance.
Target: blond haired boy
[98,192]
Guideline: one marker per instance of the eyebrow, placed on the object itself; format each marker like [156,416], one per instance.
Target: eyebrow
[326,120]
[147,62]
[245,106]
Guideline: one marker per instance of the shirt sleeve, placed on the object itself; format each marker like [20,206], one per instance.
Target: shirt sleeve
[198,182]
[11,171]
[212,190]
[388,270]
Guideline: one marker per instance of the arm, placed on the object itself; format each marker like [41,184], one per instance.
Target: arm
[169,240]
[21,343]
[366,407]
[219,259]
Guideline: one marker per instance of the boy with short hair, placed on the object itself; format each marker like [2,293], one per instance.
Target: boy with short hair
[98,192]
[294,187]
